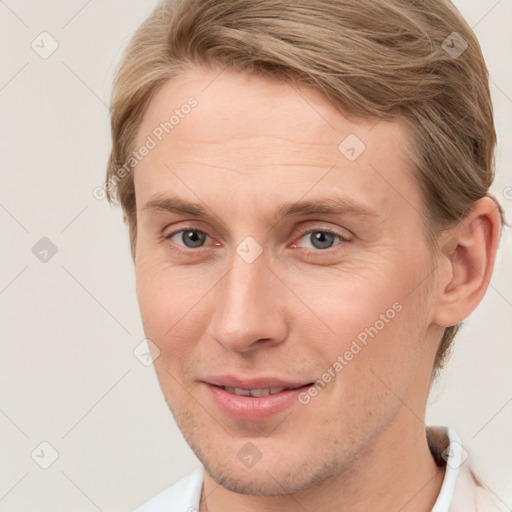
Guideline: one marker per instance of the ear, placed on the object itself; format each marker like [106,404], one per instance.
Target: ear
[467,261]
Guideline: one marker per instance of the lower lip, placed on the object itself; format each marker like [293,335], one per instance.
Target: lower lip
[249,408]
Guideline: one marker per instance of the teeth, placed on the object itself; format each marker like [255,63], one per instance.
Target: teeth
[253,392]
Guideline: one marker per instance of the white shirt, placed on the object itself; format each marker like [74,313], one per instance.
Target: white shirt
[460,491]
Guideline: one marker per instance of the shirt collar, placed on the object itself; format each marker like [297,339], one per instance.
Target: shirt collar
[446,448]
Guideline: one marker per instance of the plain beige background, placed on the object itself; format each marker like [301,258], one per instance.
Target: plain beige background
[69,325]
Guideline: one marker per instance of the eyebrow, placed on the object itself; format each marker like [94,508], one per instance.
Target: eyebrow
[322,206]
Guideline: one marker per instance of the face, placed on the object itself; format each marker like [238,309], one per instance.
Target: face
[281,249]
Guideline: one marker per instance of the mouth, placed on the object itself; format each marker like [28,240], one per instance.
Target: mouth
[253,392]
[253,399]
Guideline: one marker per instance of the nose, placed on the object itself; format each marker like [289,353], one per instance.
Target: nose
[250,307]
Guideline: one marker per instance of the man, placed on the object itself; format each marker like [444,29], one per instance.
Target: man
[306,186]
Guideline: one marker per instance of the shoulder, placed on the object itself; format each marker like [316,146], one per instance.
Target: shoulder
[183,496]
[482,497]
[462,490]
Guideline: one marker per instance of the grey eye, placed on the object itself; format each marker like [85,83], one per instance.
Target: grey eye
[191,238]
[321,239]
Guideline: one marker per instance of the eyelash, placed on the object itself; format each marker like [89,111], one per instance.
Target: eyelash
[302,233]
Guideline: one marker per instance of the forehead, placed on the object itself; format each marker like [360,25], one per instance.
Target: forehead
[259,135]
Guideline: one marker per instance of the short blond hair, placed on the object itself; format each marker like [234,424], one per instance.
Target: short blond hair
[414,59]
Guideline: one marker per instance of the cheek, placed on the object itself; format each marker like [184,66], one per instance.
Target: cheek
[162,299]
[172,302]
[374,318]
[370,361]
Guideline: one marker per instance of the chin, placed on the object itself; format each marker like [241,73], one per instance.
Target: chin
[262,482]
[276,476]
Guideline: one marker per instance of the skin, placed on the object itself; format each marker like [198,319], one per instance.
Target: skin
[250,145]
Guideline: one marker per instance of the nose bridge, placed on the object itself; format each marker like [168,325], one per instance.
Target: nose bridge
[246,301]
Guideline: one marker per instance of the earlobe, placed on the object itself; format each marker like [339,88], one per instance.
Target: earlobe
[468,260]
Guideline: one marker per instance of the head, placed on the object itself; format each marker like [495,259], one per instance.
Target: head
[305,184]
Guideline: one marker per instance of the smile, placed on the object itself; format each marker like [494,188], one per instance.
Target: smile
[253,392]
[252,399]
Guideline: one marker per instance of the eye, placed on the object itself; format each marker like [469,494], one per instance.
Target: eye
[190,238]
[319,239]
[322,239]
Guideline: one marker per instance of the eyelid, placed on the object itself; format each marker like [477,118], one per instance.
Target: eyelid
[311,229]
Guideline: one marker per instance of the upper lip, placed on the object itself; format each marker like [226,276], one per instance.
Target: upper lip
[254,383]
